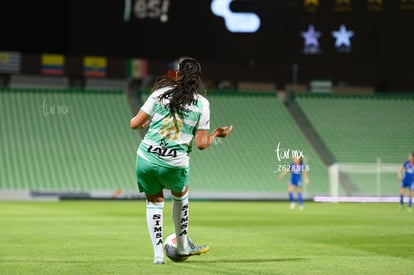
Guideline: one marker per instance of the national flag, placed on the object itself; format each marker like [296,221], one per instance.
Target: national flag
[10,62]
[94,66]
[137,68]
[53,64]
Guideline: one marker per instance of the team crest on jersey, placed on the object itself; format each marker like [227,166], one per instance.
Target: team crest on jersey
[409,168]
[162,150]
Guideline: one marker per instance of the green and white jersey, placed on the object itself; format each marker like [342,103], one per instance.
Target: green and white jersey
[168,139]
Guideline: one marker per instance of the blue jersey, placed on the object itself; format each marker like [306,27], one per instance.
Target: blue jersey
[409,172]
[296,173]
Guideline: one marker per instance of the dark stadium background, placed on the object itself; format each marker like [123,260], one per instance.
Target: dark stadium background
[74,72]
[382,48]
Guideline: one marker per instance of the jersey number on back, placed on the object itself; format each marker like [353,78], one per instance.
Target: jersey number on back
[171,127]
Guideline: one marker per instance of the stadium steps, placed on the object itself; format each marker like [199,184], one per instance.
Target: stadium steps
[317,143]
[363,129]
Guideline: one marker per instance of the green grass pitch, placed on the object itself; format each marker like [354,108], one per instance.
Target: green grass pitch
[110,237]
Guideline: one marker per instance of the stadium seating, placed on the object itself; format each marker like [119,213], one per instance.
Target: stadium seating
[74,140]
[363,129]
[80,140]
[246,161]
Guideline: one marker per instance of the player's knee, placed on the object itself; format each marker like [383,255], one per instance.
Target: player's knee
[159,197]
[180,194]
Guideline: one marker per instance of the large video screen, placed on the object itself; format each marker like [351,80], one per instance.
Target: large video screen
[267,31]
[218,30]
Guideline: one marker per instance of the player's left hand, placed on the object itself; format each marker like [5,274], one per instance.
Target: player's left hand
[223,132]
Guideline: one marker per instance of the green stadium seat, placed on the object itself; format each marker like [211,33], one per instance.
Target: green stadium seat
[80,140]
[75,140]
[363,129]
[246,161]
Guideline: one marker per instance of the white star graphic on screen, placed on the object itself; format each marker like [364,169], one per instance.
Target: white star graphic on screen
[343,36]
[311,36]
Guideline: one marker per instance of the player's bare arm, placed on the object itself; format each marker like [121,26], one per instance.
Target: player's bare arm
[203,139]
[400,173]
[284,172]
[305,176]
[141,120]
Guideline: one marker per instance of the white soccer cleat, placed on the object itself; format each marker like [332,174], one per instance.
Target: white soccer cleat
[198,250]
[192,250]
[292,206]
[159,260]
[301,207]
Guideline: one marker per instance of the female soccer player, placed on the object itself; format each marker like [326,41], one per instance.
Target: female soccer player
[296,168]
[407,181]
[175,114]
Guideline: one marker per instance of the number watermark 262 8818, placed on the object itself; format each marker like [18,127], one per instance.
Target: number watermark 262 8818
[285,154]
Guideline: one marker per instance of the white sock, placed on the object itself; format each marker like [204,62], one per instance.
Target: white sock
[154,222]
[180,218]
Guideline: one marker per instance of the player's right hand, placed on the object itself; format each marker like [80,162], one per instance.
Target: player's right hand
[146,124]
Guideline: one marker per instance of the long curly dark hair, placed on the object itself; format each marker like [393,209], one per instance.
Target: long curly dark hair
[184,87]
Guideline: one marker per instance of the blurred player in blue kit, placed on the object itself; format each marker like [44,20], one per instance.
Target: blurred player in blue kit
[296,168]
[406,176]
